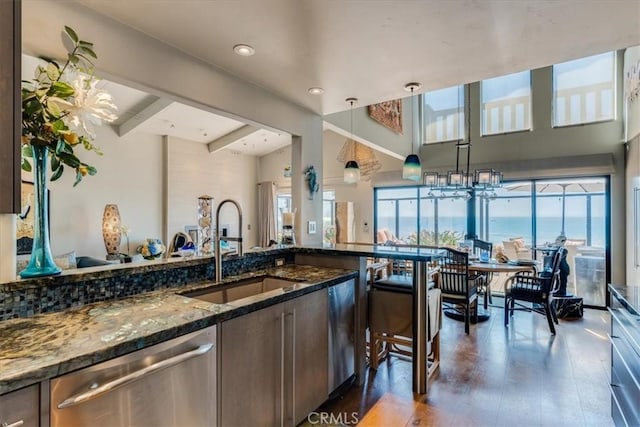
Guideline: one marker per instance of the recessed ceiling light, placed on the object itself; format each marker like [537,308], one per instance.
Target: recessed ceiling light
[315,90]
[244,50]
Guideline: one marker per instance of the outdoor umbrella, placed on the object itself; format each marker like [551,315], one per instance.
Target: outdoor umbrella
[562,188]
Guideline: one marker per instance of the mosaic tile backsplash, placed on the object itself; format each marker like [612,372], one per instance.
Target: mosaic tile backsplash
[26,298]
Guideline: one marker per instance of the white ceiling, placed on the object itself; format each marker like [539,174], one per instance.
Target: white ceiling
[358,48]
[370,49]
[186,122]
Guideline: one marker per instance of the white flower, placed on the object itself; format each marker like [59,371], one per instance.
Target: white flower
[91,106]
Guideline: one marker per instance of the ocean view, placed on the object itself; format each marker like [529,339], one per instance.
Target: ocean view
[503,228]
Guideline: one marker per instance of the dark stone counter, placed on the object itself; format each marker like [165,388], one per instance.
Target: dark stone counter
[47,345]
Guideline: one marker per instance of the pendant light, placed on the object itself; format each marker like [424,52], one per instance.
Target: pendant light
[412,170]
[351,169]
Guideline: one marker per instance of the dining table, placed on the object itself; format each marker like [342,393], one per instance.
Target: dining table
[492,266]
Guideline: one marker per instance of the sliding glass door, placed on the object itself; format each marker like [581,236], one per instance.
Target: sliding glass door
[524,215]
[411,216]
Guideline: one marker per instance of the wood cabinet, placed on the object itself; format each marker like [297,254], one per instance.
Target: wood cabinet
[21,407]
[10,106]
[273,363]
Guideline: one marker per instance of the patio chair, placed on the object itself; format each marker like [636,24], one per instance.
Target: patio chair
[536,290]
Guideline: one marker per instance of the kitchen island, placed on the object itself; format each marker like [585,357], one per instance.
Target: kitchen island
[38,348]
[56,326]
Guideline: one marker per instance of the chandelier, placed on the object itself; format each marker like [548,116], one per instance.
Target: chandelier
[461,182]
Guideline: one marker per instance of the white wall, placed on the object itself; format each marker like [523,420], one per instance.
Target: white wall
[130,57]
[367,130]
[192,171]
[271,167]
[362,192]
[129,175]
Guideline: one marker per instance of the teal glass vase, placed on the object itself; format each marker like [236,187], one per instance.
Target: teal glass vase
[41,262]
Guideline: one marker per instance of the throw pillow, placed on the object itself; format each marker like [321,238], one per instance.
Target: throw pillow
[66,261]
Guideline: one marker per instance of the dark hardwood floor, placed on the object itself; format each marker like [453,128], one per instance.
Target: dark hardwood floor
[495,376]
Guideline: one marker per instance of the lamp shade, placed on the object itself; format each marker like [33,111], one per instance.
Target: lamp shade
[351,172]
[412,170]
[111,230]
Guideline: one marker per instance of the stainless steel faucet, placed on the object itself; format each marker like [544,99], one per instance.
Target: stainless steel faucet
[218,252]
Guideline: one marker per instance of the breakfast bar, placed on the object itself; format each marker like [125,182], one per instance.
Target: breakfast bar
[421,257]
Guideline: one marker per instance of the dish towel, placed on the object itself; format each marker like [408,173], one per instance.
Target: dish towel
[435,312]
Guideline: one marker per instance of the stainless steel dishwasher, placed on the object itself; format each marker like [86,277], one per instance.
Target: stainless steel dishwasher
[341,334]
[168,384]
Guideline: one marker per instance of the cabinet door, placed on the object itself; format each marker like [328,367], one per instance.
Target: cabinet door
[250,352]
[20,408]
[307,322]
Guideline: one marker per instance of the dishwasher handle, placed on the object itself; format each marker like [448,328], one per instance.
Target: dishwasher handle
[134,376]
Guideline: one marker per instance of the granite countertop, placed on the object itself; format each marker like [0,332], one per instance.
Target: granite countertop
[45,346]
[628,296]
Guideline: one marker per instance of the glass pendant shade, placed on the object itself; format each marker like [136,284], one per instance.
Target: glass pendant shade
[351,172]
[412,170]
[351,168]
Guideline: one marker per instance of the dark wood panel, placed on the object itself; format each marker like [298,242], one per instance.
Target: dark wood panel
[10,69]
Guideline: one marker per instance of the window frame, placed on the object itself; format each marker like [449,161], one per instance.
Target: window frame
[529,128]
[614,92]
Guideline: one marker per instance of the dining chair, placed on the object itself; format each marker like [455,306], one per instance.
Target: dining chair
[459,288]
[535,289]
[480,246]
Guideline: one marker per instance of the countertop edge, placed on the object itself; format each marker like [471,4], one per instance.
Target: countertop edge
[43,373]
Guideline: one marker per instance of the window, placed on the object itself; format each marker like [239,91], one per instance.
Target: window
[583,90]
[328,214]
[444,114]
[328,217]
[538,212]
[413,217]
[506,103]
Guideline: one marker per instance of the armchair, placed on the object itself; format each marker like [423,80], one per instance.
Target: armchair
[536,290]
[516,249]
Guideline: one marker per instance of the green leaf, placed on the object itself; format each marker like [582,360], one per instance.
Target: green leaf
[62,89]
[78,178]
[26,166]
[55,163]
[54,109]
[91,170]
[59,125]
[73,59]
[52,71]
[63,147]
[72,34]
[88,51]
[57,173]
[69,160]
[27,151]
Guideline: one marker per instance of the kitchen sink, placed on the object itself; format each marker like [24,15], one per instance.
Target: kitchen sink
[221,294]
